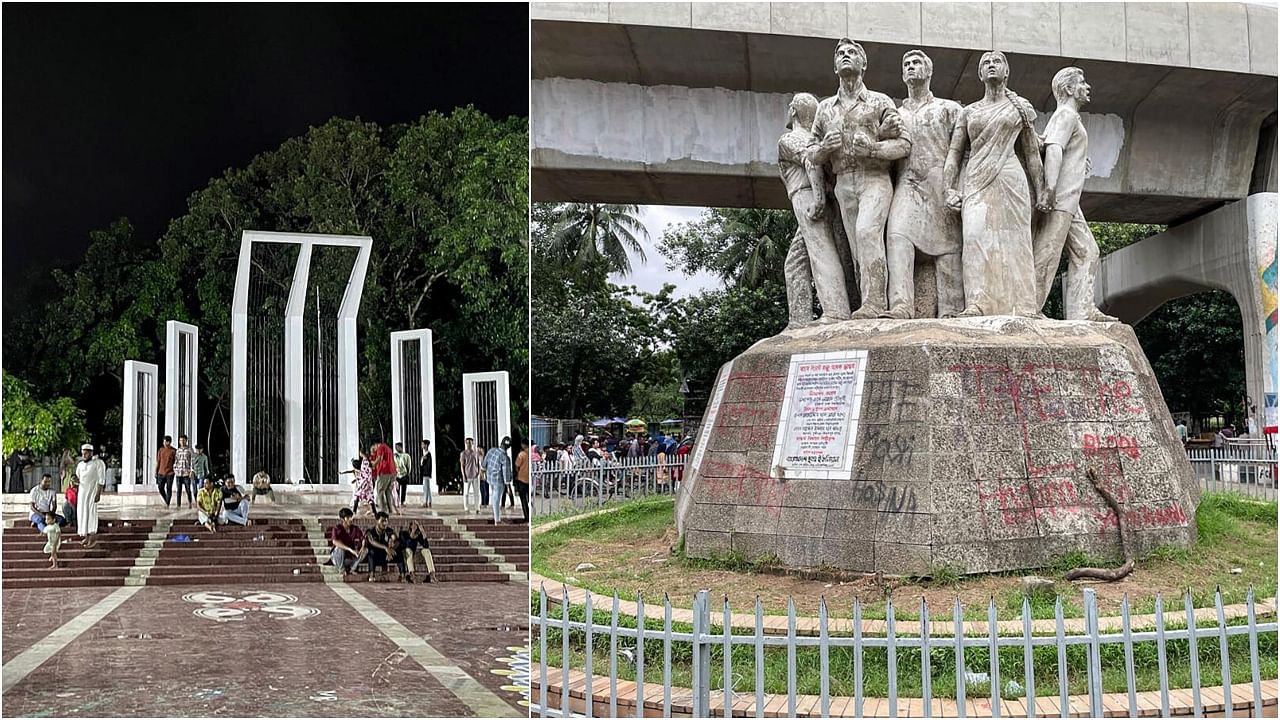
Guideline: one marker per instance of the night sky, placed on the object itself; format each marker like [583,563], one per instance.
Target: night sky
[126,110]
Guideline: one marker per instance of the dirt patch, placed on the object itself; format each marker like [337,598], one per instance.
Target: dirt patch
[645,564]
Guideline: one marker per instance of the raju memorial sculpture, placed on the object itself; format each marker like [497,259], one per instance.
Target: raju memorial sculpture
[962,438]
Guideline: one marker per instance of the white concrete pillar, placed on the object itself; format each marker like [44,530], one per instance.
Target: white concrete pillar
[141,383]
[427,412]
[180,416]
[486,404]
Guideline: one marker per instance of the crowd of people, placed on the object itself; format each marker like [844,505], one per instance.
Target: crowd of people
[661,448]
[379,547]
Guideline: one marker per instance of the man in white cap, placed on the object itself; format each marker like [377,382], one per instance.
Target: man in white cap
[92,473]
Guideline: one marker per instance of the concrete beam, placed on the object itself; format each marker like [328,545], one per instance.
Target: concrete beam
[1236,37]
[1157,161]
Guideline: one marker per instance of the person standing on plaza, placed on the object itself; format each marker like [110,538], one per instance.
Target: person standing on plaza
[404,465]
[472,462]
[426,468]
[92,473]
[522,478]
[199,466]
[182,470]
[66,469]
[497,467]
[384,472]
[361,484]
[165,457]
[1181,429]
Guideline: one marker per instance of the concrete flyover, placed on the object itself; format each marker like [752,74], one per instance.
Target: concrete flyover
[682,103]
[1232,248]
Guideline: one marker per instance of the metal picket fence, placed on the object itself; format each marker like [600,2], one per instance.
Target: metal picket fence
[628,645]
[585,484]
[1248,468]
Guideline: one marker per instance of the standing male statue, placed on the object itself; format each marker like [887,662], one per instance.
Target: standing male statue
[918,218]
[1066,163]
[812,257]
[861,137]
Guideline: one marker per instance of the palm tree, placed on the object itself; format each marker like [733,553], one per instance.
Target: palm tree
[755,243]
[598,235]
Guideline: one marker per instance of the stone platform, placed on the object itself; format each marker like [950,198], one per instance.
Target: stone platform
[907,446]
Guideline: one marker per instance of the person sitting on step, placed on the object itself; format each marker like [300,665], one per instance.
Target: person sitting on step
[44,502]
[414,542]
[235,508]
[262,488]
[380,542]
[348,543]
[208,504]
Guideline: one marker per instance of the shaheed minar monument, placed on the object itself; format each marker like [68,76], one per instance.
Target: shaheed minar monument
[929,415]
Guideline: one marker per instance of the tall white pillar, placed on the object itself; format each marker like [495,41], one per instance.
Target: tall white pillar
[426,385]
[294,393]
[180,410]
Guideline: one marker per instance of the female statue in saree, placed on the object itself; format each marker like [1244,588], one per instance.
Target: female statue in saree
[995,202]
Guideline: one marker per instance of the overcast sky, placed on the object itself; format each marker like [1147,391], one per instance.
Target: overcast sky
[652,274]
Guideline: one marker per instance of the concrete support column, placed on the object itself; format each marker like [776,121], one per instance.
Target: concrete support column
[1232,248]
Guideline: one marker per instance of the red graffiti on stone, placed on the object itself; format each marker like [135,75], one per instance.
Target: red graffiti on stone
[1095,444]
[739,484]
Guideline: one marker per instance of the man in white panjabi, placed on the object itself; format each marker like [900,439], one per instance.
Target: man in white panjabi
[92,473]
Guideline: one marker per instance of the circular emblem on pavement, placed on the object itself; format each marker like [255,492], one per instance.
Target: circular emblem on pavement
[517,673]
[221,607]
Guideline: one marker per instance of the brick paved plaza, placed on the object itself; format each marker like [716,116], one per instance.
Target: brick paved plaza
[149,626]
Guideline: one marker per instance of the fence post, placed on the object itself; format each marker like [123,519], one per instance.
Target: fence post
[1095,652]
[701,656]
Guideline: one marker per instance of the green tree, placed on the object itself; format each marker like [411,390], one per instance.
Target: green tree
[743,246]
[41,428]
[444,199]
[597,237]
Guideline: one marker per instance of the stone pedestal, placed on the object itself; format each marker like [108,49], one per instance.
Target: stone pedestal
[908,446]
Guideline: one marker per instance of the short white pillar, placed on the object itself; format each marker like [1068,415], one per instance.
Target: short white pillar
[141,401]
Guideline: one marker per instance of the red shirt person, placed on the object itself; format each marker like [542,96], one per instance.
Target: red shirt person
[383,461]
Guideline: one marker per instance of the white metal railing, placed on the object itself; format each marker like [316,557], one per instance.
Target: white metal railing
[1247,467]
[585,483]
[1011,674]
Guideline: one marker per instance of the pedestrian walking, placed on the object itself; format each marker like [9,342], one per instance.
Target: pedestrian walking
[472,463]
[183,471]
[497,467]
[383,461]
[165,457]
[426,466]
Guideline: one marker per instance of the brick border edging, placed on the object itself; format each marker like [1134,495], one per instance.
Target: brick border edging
[806,625]
[1114,704]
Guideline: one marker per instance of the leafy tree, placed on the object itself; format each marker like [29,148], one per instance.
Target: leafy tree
[444,199]
[41,428]
[746,246]
[597,238]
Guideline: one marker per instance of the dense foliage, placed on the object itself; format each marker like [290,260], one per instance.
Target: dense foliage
[445,201]
[42,428]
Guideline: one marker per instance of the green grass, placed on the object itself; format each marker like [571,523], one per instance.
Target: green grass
[1232,532]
